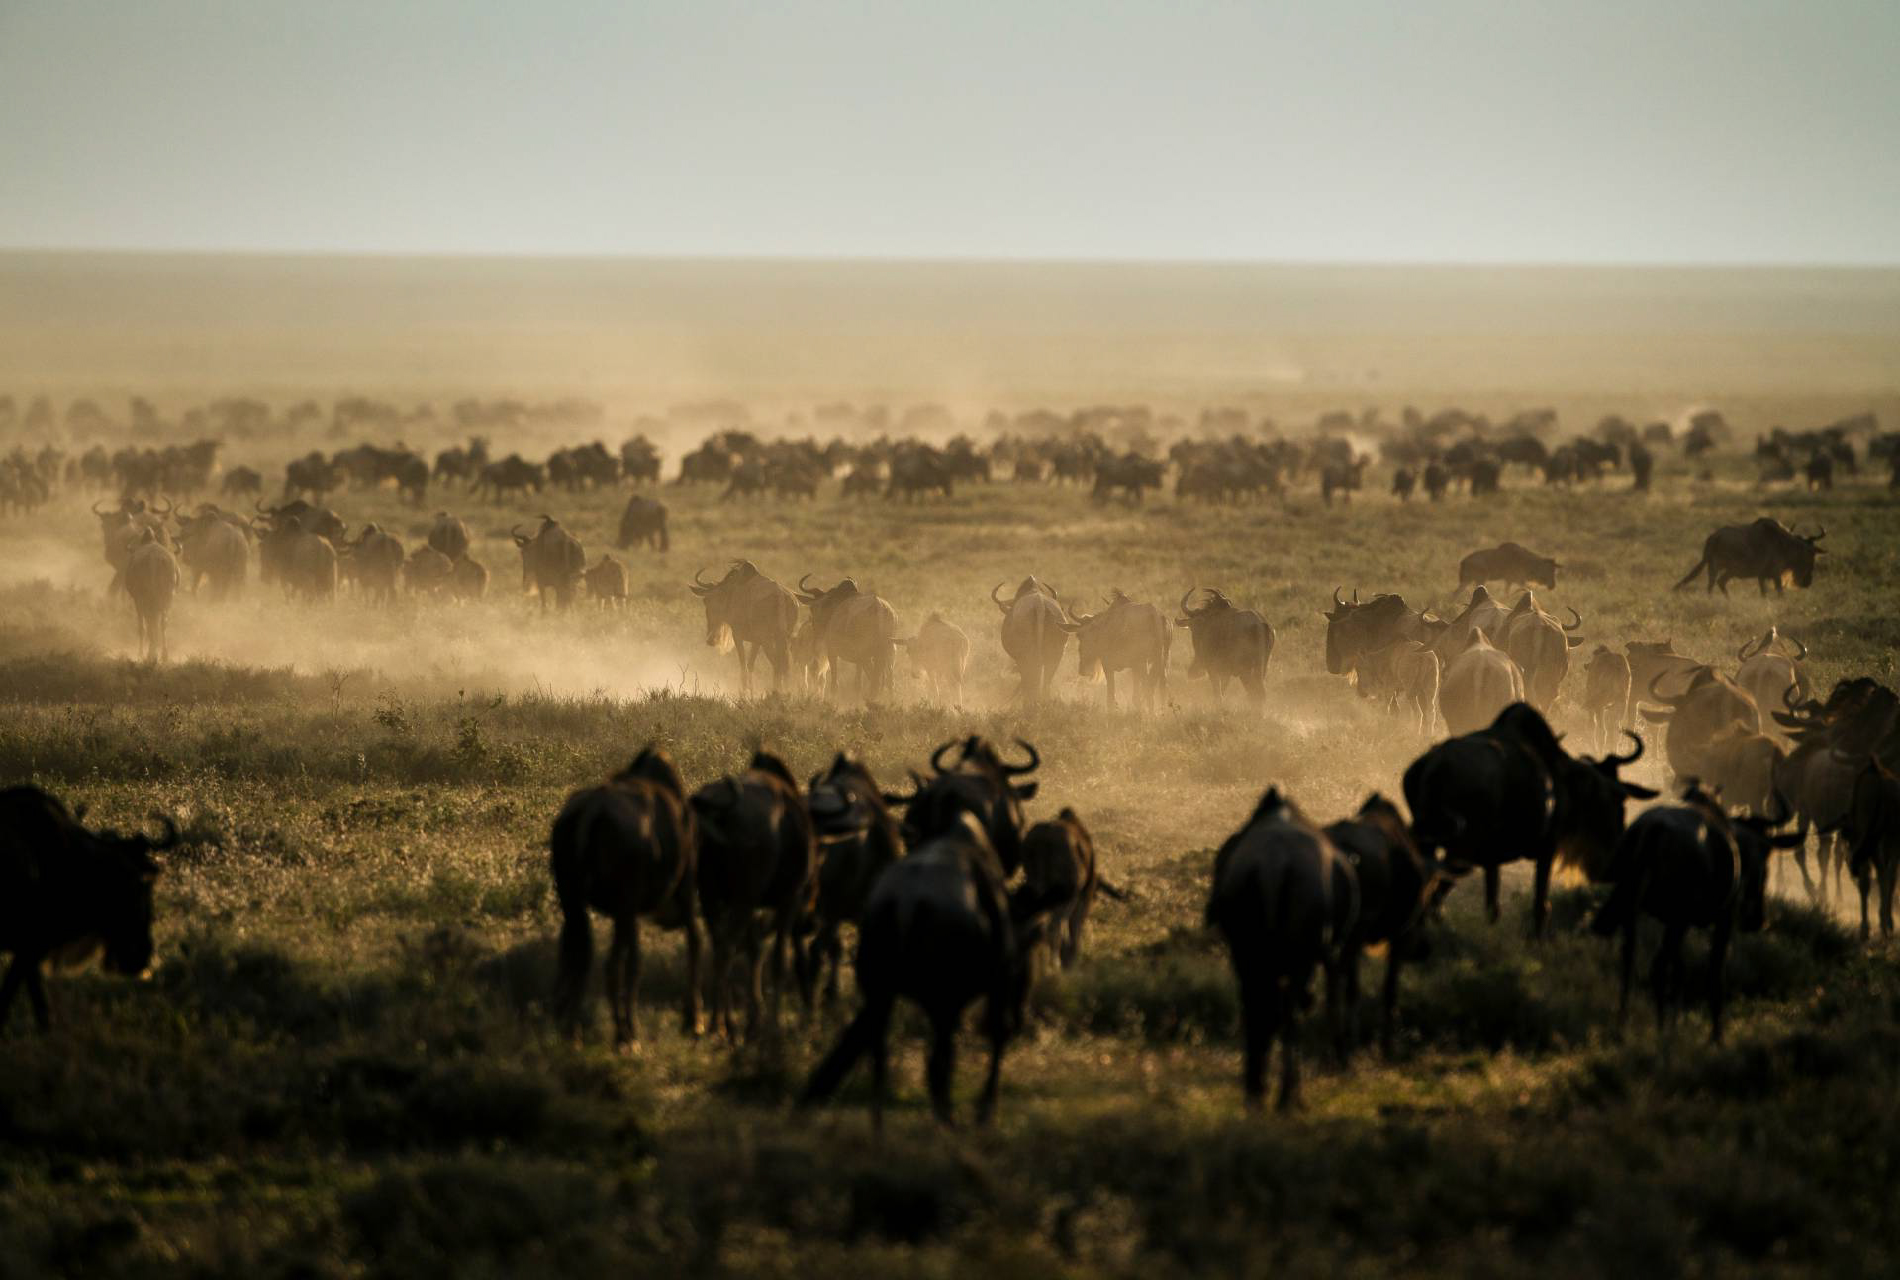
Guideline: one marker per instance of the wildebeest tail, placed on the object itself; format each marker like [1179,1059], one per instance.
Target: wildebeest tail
[1110,889]
[857,1040]
[1689,577]
[576,946]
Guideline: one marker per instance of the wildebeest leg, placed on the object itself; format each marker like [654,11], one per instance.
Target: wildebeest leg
[755,956]
[36,996]
[1889,868]
[999,1038]
[1801,860]
[943,1061]
[1111,687]
[1718,972]
[1258,1001]
[1289,1045]
[1629,970]
[721,977]
[1663,978]
[623,981]
[866,1033]
[1343,974]
[9,988]
[1540,896]
[1389,996]
[1491,909]
[1078,918]
[1864,881]
[689,1010]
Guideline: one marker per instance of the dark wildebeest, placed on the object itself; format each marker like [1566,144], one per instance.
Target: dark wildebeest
[1354,629]
[1767,551]
[1229,644]
[1124,636]
[1820,471]
[1034,635]
[757,858]
[1131,475]
[1606,693]
[513,474]
[304,561]
[747,479]
[151,579]
[1060,880]
[857,839]
[979,783]
[1651,659]
[449,536]
[1395,884]
[1437,479]
[241,482]
[66,891]
[936,930]
[1872,832]
[1510,564]
[1642,463]
[940,652]
[852,626]
[552,562]
[626,849]
[1403,482]
[607,582]
[1688,866]
[1508,792]
[748,611]
[1405,677]
[643,520]
[1286,902]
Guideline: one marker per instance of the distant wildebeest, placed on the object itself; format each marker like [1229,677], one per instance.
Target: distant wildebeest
[1124,636]
[66,892]
[1871,830]
[1606,693]
[1131,475]
[937,931]
[449,536]
[1510,564]
[1688,866]
[1342,478]
[552,562]
[748,611]
[1767,551]
[468,579]
[1484,477]
[1437,479]
[940,652]
[643,521]
[1820,471]
[1509,791]
[312,474]
[626,849]
[151,579]
[1034,635]
[376,559]
[1229,644]
[303,561]
[855,627]
[215,547]
[1540,646]
[979,782]
[512,475]
[640,461]
[1285,901]
[1403,482]
[1394,884]
[1060,881]
[124,528]
[747,479]
[862,481]
[607,582]
[857,839]
[241,482]
[757,865]
[1642,463]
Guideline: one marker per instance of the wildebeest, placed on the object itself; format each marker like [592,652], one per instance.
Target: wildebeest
[979,782]
[1606,693]
[449,536]
[1285,902]
[1354,629]
[1509,791]
[1688,866]
[857,839]
[1403,482]
[215,547]
[241,482]
[1710,707]
[1131,475]
[1404,676]
[1060,881]
[64,889]
[855,627]
[1871,829]
[151,579]
[1394,884]
[1342,478]
[376,558]
[1653,659]
[513,474]
[1229,644]
[1437,479]
[747,610]
[1538,643]
[643,521]
[1772,677]
[1767,551]
[1478,683]
[940,652]
[1034,635]
[757,858]
[937,931]
[1642,463]
[469,579]
[1124,636]
[124,528]
[427,572]
[305,562]
[1819,471]
[1508,563]
[552,562]
[626,849]
[607,582]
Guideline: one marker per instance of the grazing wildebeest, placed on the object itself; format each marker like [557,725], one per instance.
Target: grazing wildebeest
[1034,635]
[1124,636]
[857,839]
[626,849]
[936,930]
[215,546]
[66,891]
[376,559]
[1395,884]
[607,581]
[151,579]
[757,858]
[1508,792]
[552,562]
[855,627]
[1510,564]
[1538,643]
[1285,902]
[427,572]
[643,520]
[1688,866]
[1767,551]
[469,579]
[748,611]
[1710,707]
[1478,683]
[449,536]
[1606,693]
[979,783]
[1871,829]
[941,654]
[1773,678]
[1060,880]
[1229,644]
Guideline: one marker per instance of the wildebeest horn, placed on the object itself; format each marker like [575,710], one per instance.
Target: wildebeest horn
[95,508]
[1579,619]
[1631,758]
[1186,597]
[1035,761]
[1803,655]
[171,837]
[1657,697]
[1355,595]
[936,757]
[1779,810]
[997,600]
[1337,602]
[171,506]
[1820,535]
[699,579]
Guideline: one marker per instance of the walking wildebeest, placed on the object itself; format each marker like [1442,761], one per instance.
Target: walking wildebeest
[626,849]
[1478,683]
[852,626]
[1767,551]
[449,536]
[427,572]
[552,562]
[1606,693]
[151,579]
[1229,644]
[215,547]
[940,652]
[468,579]
[1034,635]
[1510,564]
[1710,707]
[857,839]
[65,891]
[748,611]
[1060,880]
[980,783]
[376,559]
[1772,677]
[1395,884]
[1872,832]
[1540,646]
[607,582]
[1124,636]
[643,521]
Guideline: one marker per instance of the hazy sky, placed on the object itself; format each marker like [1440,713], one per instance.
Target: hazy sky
[1421,130]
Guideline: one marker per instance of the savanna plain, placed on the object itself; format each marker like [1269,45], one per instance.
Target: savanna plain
[345,1062]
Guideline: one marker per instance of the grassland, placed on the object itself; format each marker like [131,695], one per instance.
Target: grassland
[344,1064]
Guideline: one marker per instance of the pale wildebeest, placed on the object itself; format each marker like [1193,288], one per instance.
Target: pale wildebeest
[1395,884]
[855,627]
[1688,866]
[1774,678]
[1650,659]
[1606,693]
[1767,551]
[66,892]
[857,838]
[449,536]
[1871,830]
[940,653]
[427,572]
[376,559]
[1742,768]
[980,783]
[124,528]
[748,611]
[1229,644]
[1034,635]
[1510,564]
[643,521]
[937,931]
[1509,791]
[809,663]
[151,579]
[626,849]
[1403,676]
[1538,643]
[757,859]
[216,548]
[607,582]
[468,579]
[1478,683]
[1285,901]
[1060,881]
[552,562]
[1124,636]
[1710,707]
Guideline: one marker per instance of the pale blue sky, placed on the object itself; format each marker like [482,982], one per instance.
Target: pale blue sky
[1434,130]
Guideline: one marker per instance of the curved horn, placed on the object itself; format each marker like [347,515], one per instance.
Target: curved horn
[1579,619]
[1337,602]
[171,837]
[1657,697]
[996,600]
[1741,654]
[803,587]
[1779,810]
[1619,761]
[699,579]
[95,508]
[1035,760]
[171,506]
[1186,597]
[1820,535]
[936,757]
[1803,655]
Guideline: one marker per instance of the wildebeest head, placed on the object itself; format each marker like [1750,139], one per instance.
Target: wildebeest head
[1032,585]
[1588,816]
[1802,552]
[978,782]
[1353,628]
[722,599]
[656,766]
[124,896]
[1094,632]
